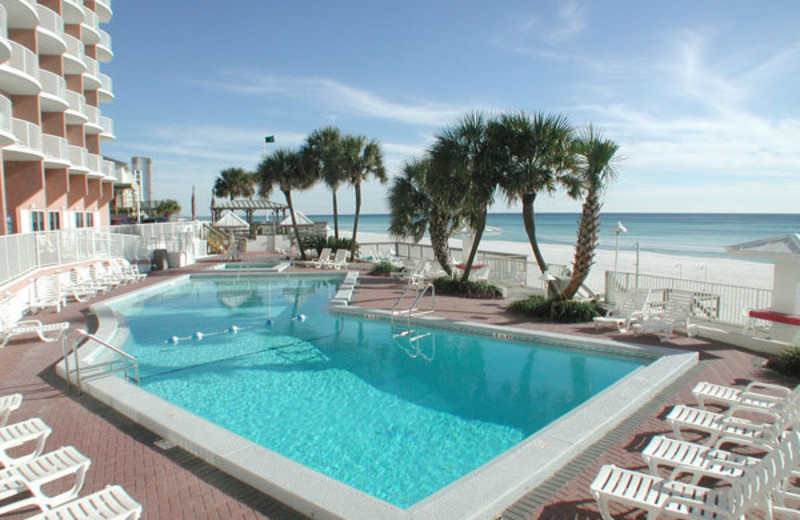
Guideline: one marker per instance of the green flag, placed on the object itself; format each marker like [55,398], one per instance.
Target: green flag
[269,139]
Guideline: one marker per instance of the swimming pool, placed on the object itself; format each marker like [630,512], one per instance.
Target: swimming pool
[355,398]
[268,267]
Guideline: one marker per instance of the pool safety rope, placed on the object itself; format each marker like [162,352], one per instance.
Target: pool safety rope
[296,342]
[233,329]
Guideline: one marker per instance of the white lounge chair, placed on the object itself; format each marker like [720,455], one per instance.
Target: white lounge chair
[19,434]
[694,459]
[323,259]
[677,312]
[9,403]
[102,274]
[131,271]
[45,292]
[633,305]
[29,478]
[339,260]
[77,285]
[731,425]
[12,310]
[111,503]
[755,394]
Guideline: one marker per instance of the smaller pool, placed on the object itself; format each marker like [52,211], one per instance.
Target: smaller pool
[267,267]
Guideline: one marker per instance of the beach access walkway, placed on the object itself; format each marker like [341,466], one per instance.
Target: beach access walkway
[173,484]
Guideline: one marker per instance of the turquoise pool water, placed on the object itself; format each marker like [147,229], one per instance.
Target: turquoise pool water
[251,266]
[394,418]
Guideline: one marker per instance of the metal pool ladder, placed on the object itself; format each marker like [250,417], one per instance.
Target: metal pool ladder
[404,335]
[70,342]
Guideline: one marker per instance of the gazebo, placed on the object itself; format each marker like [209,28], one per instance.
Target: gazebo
[275,211]
[784,252]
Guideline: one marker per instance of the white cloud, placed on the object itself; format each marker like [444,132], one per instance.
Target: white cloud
[337,97]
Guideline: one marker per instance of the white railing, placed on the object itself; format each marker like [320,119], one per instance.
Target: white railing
[79,157]
[107,124]
[93,113]
[109,170]
[55,147]
[105,41]
[90,21]
[95,163]
[28,134]
[75,48]
[106,84]
[53,84]
[5,114]
[24,60]
[77,103]
[92,68]
[715,302]
[50,21]
[3,22]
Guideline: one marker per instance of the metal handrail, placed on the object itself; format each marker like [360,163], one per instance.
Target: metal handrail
[80,333]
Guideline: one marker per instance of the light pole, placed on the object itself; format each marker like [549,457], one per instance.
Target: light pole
[619,228]
[546,277]
[636,245]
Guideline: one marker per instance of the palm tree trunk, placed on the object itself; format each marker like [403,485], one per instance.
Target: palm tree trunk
[288,195]
[441,249]
[480,228]
[335,214]
[588,231]
[355,221]
[530,228]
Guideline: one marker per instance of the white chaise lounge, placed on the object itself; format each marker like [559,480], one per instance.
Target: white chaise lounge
[676,314]
[12,310]
[339,260]
[323,259]
[33,431]
[9,403]
[632,306]
[755,394]
[111,503]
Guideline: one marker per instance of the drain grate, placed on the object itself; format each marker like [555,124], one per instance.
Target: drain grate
[164,444]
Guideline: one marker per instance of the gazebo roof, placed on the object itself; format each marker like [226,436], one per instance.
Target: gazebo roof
[302,220]
[254,204]
[783,246]
[231,221]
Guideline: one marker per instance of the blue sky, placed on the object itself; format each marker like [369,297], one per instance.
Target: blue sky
[700,95]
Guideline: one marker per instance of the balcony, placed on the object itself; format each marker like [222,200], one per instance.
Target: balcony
[95,164]
[20,75]
[56,151]
[29,142]
[72,11]
[76,113]
[90,27]
[5,46]
[6,131]
[108,129]
[21,14]
[104,51]
[79,158]
[103,10]
[92,126]
[106,91]
[91,80]
[53,97]
[50,32]
[73,58]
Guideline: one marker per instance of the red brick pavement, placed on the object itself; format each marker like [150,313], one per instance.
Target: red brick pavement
[173,484]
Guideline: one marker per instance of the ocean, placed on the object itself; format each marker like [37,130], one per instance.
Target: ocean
[689,234]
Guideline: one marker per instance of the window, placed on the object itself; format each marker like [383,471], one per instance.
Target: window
[37,220]
[55,220]
[89,219]
[78,219]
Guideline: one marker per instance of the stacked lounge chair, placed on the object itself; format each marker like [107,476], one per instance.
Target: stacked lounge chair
[23,478]
[743,482]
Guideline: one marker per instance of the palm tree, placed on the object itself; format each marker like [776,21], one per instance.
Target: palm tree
[234,182]
[361,158]
[322,154]
[463,174]
[415,209]
[533,156]
[285,168]
[167,208]
[595,156]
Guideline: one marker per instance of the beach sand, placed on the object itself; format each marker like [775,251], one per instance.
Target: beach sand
[714,270]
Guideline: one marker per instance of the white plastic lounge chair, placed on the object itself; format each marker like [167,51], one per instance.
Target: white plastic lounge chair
[103,275]
[45,292]
[339,260]
[33,475]
[677,312]
[131,271]
[694,459]
[731,425]
[755,394]
[663,498]
[76,285]
[12,310]
[112,503]
[19,434]
[633,305]
[9,403]
[323,259]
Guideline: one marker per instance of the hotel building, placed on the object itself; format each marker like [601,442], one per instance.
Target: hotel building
[52,174]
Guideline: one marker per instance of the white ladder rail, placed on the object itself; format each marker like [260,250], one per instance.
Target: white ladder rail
[75,336]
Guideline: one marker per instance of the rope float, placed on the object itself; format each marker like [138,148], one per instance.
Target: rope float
[233,329]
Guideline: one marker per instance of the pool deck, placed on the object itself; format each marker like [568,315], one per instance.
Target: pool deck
[171,483]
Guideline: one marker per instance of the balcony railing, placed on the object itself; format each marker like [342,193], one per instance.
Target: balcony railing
[77,102]
[50,21]
[75,51]
[104,50]
[5,114]
[55,147]
[72,11]
[106,90]
[103,8]
[24,60]
[79,157]
[108,169]
[95,163]
[90,27]
[28,134]
[53,84]
[107,124]
[93,113]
